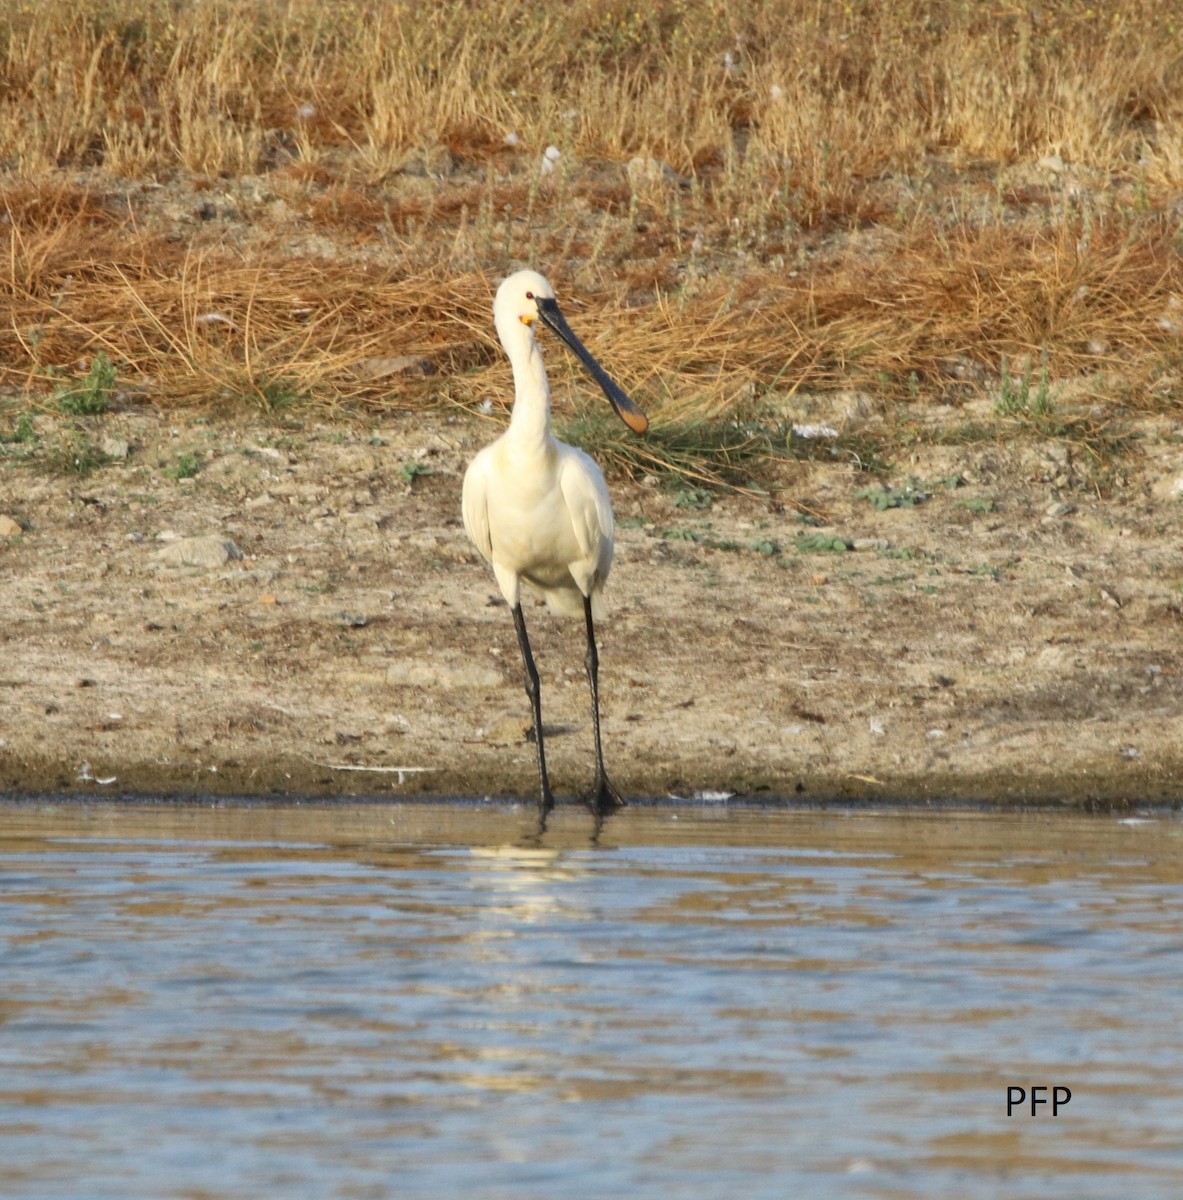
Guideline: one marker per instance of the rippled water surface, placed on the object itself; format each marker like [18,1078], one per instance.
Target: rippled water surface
[426,1001]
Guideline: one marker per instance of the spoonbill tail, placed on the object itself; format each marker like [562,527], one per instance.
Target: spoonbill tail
[538,510]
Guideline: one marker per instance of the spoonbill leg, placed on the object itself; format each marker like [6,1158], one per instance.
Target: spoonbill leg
[603,797]
[546,799]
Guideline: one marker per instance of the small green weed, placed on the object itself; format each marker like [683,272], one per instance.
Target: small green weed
[187,465]
[275,396]
[686,456]
[74,455]
[1017,398]
[882,497]
[23,432]
[977,505]
[90,396]
[692,497]
[410,471]
[822,543]
[709,542]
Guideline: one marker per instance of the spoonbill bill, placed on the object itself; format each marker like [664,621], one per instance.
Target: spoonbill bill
[538,510]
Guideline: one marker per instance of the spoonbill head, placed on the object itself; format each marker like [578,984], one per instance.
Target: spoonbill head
[538,510]
[526,297]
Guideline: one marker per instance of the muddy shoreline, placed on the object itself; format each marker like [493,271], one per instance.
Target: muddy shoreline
[1016,650]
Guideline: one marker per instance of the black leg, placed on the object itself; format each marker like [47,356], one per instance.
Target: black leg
[603,797]
[534,690]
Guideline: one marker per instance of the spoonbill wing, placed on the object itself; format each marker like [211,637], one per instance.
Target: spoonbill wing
[586,495]
[474,507]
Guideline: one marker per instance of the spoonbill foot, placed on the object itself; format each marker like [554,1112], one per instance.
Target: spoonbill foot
[603,798]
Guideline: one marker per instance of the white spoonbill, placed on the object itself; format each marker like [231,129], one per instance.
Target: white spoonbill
[538,509]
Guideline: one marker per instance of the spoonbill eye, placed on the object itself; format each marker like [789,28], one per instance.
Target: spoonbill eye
[529,295]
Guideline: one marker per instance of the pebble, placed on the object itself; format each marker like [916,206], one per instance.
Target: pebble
[402,364]
[210,551]
[9,528]
[426,673]
[506,731]
[367,519]
[812,432]
[645,172]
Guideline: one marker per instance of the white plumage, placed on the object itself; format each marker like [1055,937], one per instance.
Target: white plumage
[537,509]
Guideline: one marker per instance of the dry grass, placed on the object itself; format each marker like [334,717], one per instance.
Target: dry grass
[239,201]
[821,94]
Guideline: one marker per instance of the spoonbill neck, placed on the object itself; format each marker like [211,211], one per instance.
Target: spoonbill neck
[530,419]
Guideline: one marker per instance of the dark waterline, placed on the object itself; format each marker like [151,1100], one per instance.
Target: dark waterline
[414,1000]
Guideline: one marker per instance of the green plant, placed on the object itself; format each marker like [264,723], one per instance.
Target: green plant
[73,454]
[681,535]
[410,471]
[187,465]
[882,497]
[694,497]
[694,455]
[822,543]
[1016,398]
[276,395]
[23,432]
[92,395]
[979,506]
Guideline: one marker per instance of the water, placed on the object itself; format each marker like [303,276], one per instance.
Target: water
[419,1001]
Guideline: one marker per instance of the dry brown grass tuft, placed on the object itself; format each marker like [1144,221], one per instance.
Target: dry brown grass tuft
[240,201]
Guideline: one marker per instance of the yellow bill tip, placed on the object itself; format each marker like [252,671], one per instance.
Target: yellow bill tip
[635,419]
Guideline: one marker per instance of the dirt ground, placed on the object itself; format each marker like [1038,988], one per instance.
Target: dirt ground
[1013,638]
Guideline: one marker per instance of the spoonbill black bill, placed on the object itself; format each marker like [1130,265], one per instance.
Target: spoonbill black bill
[538,510]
